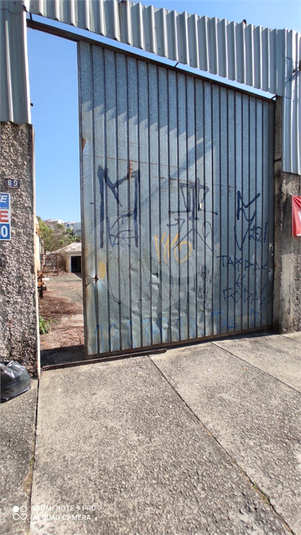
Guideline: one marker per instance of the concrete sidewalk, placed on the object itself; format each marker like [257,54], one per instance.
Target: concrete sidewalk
[200,440]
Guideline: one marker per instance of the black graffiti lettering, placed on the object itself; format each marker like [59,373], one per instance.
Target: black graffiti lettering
[238,263]
[241,207]
[115,234]
[252,231]
[256,296]
[235,292]
[193,196]
[229,261]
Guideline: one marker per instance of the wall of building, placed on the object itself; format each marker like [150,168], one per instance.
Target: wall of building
[287,282]
[18,296]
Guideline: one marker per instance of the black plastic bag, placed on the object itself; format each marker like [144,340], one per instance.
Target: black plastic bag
[15,380]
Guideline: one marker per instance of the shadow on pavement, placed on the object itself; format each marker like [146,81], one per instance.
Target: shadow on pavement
[62,355]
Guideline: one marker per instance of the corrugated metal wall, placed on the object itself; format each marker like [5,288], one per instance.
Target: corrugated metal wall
[259,57]
[177,184]
[14,79]
[291,110]
[240,52]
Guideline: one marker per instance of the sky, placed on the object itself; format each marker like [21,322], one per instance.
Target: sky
[54,95]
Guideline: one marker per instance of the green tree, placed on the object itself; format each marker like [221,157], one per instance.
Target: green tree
[57,238]
[46,234]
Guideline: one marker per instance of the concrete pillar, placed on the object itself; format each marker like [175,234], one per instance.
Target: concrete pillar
[287,250]
[18,292]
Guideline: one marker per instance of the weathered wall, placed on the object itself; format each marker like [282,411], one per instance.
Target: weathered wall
[287,285]
[18,301]
[287,290]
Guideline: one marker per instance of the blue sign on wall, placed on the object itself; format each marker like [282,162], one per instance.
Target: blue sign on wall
[5,216]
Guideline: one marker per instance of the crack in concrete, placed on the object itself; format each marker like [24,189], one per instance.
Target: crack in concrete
[256,367]
[250,482]
[33,458]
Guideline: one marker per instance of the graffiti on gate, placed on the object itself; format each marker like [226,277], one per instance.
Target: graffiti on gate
[122,228]
[187,218]
[246,213]
[219,316]
[164,247]
[239,291]
[242,264]
[178,286]
[242,269]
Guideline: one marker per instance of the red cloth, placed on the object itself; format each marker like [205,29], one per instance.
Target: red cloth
[296,216]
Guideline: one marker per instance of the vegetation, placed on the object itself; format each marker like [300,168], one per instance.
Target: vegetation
[44,325]
[57,238]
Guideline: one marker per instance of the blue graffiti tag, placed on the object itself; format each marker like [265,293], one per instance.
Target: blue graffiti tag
[252,232]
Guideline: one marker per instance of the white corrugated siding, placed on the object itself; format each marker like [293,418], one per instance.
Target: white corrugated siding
[14,79]
[291,115]
[259,57]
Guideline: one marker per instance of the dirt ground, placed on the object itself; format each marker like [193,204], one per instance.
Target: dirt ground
[62,304]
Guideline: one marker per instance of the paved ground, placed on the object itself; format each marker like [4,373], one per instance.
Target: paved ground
[199,440]
[17,440]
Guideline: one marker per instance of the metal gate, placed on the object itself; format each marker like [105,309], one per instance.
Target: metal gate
[177,204]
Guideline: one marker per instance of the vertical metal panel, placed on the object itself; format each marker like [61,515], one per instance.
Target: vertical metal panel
[88,194]
[223,209]
[201,280]
[216,206]
[163,183]
[259,273]
[169,250]
[179,217]
[14,80]
[205,219]
[228,256]
[144,203]
[177,178]
[191,204]
[234,292]
[102,307]
[291,103]
[135,262]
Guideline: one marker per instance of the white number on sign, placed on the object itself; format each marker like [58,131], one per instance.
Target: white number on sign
[4,231]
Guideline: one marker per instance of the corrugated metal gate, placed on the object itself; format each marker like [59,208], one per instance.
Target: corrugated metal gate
[177,204]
